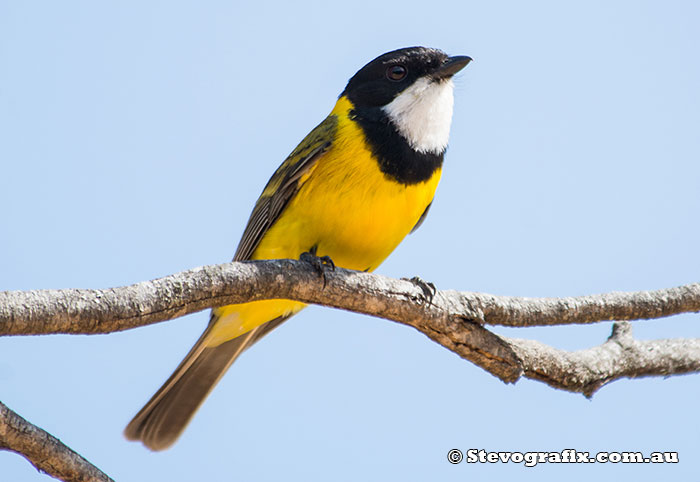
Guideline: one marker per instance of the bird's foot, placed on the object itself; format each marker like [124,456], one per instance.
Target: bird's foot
[320,263]
[426,287]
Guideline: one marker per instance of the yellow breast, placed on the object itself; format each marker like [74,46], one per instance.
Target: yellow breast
[347,207]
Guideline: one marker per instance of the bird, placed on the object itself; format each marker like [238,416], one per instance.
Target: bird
[347,195]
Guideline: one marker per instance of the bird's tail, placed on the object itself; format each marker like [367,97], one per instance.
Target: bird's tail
[161,421]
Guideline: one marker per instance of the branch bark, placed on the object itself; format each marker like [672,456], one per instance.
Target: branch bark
[453,319]
[44,451]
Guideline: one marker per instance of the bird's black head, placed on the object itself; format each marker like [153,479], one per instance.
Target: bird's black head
[403,101]
[380,81]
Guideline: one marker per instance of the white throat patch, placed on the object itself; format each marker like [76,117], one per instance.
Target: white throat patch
[423,113]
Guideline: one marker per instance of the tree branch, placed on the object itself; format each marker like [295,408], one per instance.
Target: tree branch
[621,356]
[90,311]
[453,319]
[44,451]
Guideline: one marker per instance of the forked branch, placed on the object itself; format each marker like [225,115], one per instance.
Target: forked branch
[453,319]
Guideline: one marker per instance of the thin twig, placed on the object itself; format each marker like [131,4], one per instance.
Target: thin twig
[44,451]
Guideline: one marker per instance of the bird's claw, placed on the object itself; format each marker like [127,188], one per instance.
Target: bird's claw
[320,263]
[429,290]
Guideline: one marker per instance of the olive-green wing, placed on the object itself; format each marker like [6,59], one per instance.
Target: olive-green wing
[280,189]
[283,185]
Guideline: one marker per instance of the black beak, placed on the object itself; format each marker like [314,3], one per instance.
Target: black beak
[451,66]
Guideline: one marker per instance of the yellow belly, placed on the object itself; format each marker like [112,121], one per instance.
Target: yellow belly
[347,208]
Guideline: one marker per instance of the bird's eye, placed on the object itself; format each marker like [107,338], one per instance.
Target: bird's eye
[396,73]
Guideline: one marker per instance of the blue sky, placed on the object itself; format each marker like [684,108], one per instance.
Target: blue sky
[136,136]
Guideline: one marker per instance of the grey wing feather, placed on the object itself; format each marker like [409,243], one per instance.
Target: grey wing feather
[422,217]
